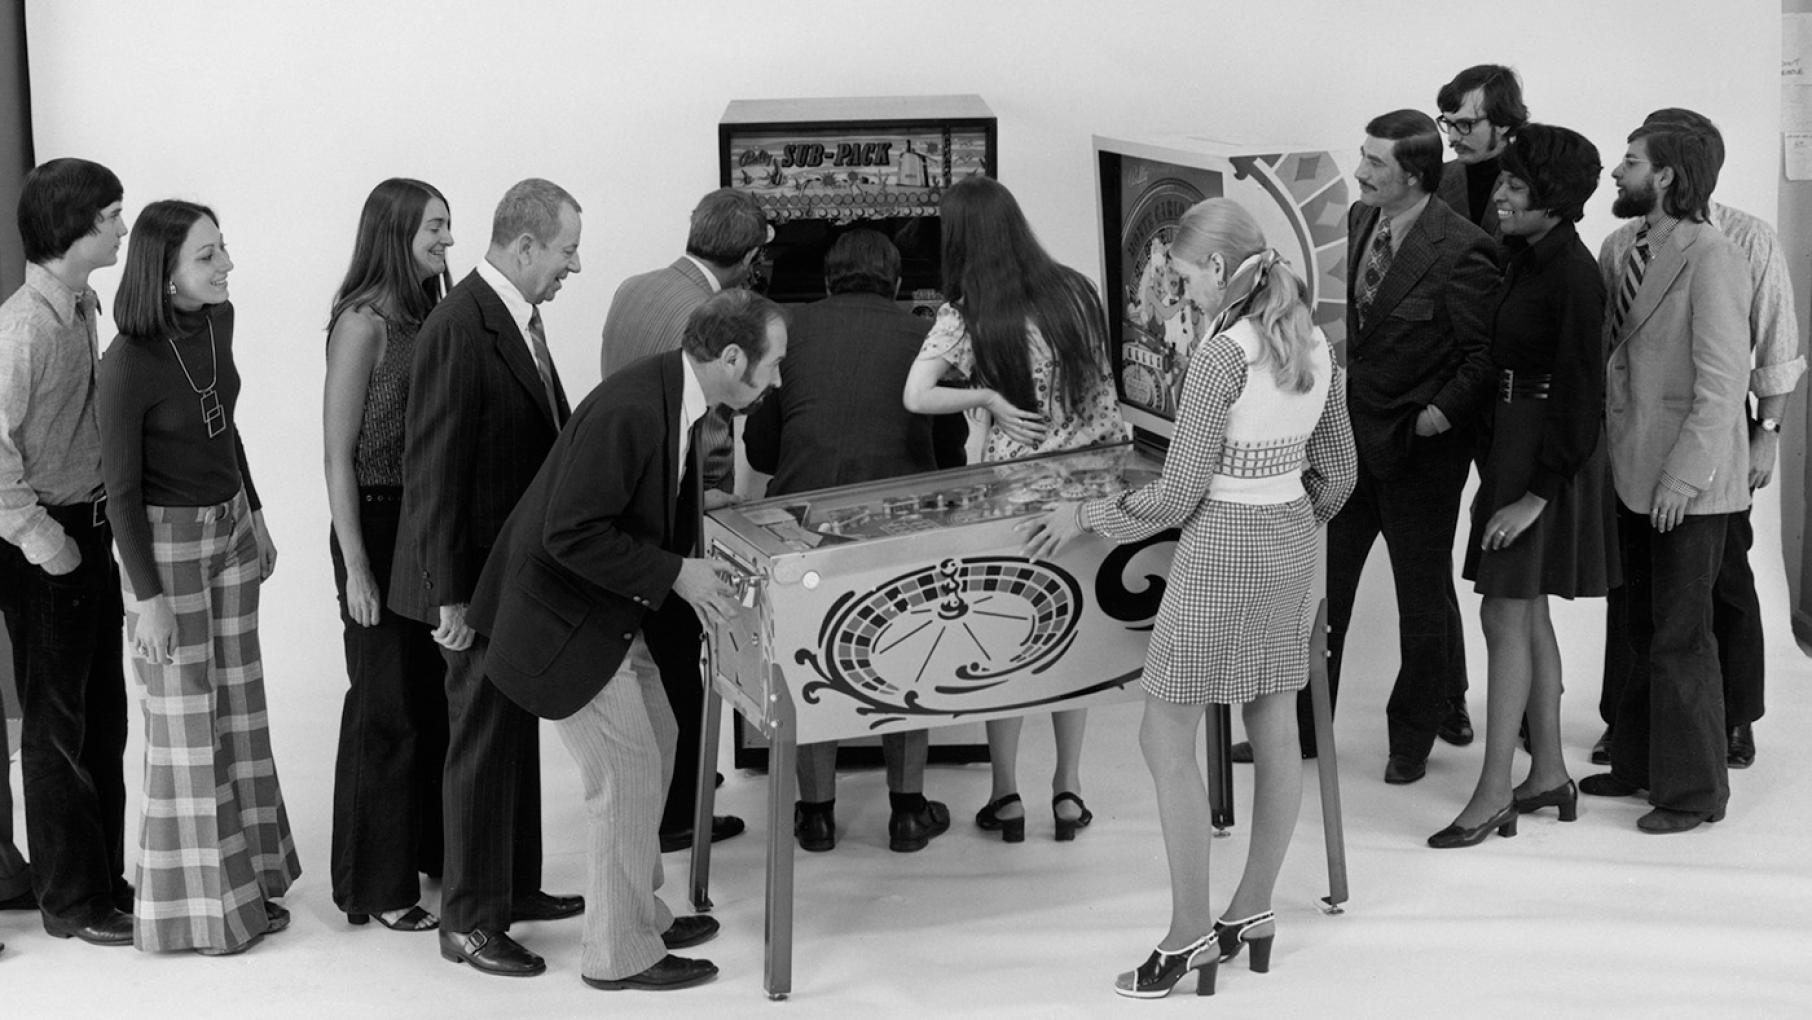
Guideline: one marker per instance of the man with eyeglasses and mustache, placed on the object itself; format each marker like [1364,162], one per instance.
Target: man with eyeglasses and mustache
[1480,109]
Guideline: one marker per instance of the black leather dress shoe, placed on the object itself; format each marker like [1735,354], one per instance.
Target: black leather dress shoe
[493,952]
[542,906]
[26,900]
[1606,784]
[672,972]
[1456,729]
[815,825]
[689,931]
[908,831]
[1402,770]
[1742,747]
[123,897]
[112,929]
[1601,751]
[1666,821]
[722,828]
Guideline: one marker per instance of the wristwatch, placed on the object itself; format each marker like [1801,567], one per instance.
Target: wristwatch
[1769,425]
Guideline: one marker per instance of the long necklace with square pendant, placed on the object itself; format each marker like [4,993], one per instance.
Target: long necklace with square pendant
[213,413]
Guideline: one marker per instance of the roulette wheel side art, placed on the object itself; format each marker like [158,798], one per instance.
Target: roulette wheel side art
[942,640]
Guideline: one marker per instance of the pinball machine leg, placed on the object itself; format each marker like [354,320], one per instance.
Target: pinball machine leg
[706,801]
[1327,765]
[1218,735]
[777,976]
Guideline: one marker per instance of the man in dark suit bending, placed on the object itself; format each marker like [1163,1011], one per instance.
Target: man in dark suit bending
[485,404]
[1418,371]
[840,421]
[603,539]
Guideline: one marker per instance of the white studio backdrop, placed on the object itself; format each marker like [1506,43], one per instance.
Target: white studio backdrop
[282,115]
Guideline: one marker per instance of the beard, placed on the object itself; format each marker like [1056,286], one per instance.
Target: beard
[1634,203]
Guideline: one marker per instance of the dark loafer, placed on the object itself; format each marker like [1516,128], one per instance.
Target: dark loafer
[909,831]
[114,928]
[1606,784]
[1665,821]
[689,931]
[815,826]
[672,972]
[493,952]
[541,906]
[1456,729]
[1402,770]
[722,828]
[1742,747]
[277,915]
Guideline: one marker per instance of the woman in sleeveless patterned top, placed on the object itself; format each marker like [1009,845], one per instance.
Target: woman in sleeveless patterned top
[1262,456]
[393,728]
[1030,338]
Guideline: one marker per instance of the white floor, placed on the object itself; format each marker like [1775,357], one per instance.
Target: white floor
[1588,919]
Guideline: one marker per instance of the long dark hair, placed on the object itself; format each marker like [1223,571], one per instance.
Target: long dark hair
[999,276]
[383,272]
[142,306]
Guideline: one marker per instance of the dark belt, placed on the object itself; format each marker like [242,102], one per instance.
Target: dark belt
[89,516]
[1514,385]
[381,494]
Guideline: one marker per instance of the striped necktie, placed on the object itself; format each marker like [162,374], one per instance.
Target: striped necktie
[544,362]
[1377,263]
[1634,267]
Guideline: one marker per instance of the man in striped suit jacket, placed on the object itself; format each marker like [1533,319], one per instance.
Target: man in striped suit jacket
[485,404]
[648,316]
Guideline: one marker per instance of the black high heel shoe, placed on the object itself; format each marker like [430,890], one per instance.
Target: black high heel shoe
[1453,836]
[1164,968]
[1066,827]
[1012,830]
[1232,935]
[1565,797]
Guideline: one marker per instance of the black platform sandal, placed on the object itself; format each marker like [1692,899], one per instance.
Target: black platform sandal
[1012,830]
[1066,827]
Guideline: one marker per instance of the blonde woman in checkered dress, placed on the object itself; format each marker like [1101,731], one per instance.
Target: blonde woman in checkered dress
[214,849]
[1262,455]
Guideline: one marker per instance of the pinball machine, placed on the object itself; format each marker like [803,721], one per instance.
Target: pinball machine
[909,603]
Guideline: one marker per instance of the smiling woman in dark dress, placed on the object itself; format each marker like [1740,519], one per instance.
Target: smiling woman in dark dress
[1542,523]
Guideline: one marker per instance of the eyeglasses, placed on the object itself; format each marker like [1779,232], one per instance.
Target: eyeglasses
[1461,126]
[1630,162]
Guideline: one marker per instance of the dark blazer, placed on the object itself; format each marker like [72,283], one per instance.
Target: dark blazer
[1426,339]
[1453,192]
[476,429]
[592,548]
[839,419]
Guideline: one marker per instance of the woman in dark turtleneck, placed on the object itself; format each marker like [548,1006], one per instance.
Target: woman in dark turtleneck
[215,850]
[1543,523]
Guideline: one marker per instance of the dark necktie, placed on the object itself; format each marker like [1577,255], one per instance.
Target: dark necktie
[1377,263]
[544,362]
[1633,269]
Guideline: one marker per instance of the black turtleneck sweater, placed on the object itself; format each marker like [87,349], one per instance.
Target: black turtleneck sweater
[155,447]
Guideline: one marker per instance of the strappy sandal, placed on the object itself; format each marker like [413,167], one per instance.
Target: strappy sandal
[1066,827]
[1164,968]
[1232,936]
[413,919]
[1012,830]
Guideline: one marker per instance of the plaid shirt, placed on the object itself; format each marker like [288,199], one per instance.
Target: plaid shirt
[50,444]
